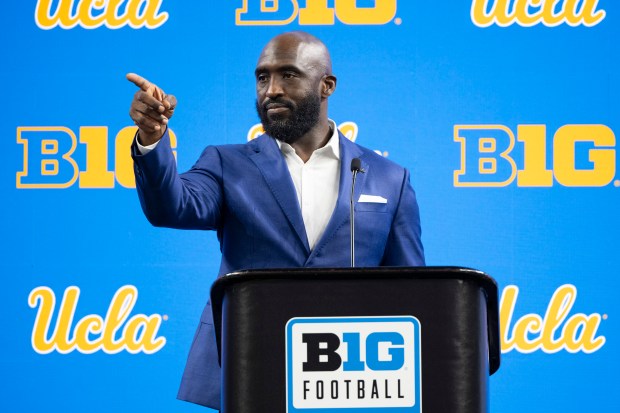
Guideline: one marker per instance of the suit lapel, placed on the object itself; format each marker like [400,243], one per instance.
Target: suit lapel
[269,160]
[340,216]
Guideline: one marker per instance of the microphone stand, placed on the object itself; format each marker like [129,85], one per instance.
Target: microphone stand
[356,166]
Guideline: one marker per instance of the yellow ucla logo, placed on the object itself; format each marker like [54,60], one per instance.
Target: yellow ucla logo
[583,156]
[112,334]
[348,129]
[91,14]
[313,12]
[553,332]
[527,13]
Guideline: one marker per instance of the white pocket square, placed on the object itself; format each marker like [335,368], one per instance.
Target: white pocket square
[376,199]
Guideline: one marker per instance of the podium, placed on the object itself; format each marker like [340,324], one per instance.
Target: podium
[403,340]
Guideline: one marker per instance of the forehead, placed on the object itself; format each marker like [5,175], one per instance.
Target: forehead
[304,56]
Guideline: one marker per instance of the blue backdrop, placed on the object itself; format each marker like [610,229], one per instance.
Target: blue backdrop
[505,115]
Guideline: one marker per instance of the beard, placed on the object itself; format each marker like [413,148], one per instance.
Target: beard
[302,117]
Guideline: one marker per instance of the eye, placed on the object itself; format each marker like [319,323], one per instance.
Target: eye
[288,75]
[261,78]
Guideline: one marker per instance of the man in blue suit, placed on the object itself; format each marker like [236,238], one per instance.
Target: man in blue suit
[281,200]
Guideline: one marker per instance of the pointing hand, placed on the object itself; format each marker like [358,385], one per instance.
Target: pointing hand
[150,109]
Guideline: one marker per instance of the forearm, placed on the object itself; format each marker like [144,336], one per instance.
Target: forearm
[189,201]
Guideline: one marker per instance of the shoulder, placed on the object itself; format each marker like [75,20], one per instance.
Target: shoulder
[255,145]
[370,157]
[234,157]
[235,150]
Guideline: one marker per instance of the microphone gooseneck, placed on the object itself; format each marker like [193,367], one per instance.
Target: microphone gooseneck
[356,166]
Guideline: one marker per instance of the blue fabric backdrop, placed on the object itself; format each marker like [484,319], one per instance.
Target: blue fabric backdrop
[505,117]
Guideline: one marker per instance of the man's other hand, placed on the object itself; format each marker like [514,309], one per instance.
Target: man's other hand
[150,109]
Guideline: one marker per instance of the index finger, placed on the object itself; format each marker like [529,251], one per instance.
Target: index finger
[139,81]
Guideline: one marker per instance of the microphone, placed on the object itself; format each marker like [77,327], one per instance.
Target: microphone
[356,166]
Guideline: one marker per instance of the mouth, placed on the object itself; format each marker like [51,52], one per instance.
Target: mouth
[277,110]
[273,108]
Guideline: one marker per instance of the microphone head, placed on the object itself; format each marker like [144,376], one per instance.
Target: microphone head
[356,165]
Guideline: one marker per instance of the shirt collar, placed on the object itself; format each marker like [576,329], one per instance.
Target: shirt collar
[331,147]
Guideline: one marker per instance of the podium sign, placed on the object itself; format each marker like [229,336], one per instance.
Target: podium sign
[400,340]
[353,362]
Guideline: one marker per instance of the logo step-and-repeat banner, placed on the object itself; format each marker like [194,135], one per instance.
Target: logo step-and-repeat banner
[505,112]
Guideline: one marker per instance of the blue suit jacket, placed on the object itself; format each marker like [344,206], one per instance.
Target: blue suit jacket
[245,193]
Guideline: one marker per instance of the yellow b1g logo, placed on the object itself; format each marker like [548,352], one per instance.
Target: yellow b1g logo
[55,157]
[580,155]
[314,12]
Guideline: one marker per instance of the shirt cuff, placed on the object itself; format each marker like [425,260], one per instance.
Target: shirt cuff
[145,149]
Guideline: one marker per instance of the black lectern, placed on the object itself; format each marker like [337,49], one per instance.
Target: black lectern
[403,340]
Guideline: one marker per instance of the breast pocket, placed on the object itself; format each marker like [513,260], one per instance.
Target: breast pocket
[371,207]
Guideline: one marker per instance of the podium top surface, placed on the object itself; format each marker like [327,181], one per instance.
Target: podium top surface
[467,274]
[481,280]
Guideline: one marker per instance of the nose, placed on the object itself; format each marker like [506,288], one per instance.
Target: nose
[274,88]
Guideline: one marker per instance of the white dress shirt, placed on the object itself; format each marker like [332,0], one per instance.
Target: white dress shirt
[316,182]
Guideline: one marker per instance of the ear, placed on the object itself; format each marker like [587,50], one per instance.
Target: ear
[328,85]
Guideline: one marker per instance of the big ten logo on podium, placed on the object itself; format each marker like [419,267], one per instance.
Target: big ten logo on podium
[53,157]
[335,363]
[526,13]
[315,12]
[579,156]
[90,14]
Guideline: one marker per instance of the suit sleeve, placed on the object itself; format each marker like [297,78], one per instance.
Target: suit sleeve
[192,200]
[404,244]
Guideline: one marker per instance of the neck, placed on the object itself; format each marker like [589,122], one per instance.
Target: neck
[315,138]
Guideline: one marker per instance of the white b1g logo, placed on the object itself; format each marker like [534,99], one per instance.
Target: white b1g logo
[353,362]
